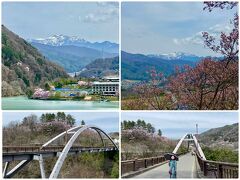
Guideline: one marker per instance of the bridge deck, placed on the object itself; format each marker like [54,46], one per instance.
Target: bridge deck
[185,169]
[27,153]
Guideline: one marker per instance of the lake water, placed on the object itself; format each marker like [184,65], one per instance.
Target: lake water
[23,103]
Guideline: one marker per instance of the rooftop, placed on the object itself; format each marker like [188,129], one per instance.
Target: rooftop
[106,83]
[111,77]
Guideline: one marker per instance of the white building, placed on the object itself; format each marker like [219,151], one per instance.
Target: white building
[111,78]
[105,88]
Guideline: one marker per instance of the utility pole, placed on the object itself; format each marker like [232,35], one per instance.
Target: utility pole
[196,129]
[197,135]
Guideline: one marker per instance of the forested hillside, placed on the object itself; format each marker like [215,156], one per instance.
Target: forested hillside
[23,67]
[101,67]
[226,136]
[137,66]
[221,144]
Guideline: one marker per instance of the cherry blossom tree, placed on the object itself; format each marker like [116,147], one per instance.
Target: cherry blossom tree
[213,83]
[210,85]
[210,5]
[150,95]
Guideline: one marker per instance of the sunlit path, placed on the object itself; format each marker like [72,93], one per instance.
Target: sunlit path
[185,169]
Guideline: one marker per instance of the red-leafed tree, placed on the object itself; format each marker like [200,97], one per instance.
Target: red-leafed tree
[212,84]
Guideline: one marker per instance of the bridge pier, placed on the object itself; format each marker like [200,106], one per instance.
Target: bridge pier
[39,158]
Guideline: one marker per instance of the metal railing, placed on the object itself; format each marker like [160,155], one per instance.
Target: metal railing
[32,149]
[136,164]
[215,169]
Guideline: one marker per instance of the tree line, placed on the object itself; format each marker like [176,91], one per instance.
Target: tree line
[140,124]
[59,116]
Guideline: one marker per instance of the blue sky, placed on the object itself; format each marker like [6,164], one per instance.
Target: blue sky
[166,27]
[89,20]
[175,124]
[107,121]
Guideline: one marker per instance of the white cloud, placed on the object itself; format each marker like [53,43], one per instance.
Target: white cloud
[106,12]
[197,38]
[100,3]
[218,28]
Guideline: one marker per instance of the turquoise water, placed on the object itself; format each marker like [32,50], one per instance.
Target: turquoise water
[23,103]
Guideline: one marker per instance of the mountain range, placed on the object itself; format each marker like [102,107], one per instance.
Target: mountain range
[63,40]
[73,53]
[178,56]
[23,67]
[136,66]
[72,58]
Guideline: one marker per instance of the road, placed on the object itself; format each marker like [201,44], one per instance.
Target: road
[186,168]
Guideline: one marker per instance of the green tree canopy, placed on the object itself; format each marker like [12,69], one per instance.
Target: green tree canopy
[83,122]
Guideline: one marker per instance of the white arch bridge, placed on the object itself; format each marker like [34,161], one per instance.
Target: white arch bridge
[192,164]
[28,154]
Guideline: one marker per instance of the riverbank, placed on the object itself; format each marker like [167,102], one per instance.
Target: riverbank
[23,103]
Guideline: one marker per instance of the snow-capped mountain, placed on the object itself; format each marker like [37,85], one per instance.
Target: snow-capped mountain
[177,56]
[58,40]
[62,40]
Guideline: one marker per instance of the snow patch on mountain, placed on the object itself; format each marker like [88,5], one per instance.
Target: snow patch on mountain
[177,56]
[63,40]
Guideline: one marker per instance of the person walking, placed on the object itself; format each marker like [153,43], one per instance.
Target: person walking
[173,167]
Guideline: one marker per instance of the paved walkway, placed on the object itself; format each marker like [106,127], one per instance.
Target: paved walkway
[185,169]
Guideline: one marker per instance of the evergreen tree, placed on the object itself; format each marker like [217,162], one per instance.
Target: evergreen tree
[61,116]
[49,117]
[83,122]
[159,132]
[70,120]
[43,118]
[149,127]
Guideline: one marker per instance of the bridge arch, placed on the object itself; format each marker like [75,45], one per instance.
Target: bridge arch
[190,138]
[76,131]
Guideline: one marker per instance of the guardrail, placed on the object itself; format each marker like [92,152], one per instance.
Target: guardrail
[30,149]
[215,169]
[130,155]
[137,164]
